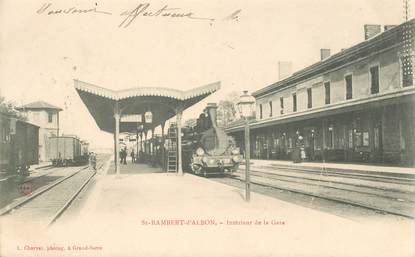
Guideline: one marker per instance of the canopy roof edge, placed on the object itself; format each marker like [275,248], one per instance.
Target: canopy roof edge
[146,91]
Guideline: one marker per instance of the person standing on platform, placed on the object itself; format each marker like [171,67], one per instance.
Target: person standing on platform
[121,156]
[125,155]
[132,156]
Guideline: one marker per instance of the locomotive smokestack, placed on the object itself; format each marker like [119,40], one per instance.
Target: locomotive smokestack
[211,109]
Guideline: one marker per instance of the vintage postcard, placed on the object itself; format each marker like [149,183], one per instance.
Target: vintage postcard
[207,128]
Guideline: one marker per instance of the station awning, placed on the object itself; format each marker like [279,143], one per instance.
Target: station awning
[407,95]
[163,103]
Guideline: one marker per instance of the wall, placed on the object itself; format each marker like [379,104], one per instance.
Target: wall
[389,81]
[47,129]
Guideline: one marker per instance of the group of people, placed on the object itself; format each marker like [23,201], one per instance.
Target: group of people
[123,156]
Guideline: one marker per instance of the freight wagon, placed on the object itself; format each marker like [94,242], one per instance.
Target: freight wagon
[19,144]
[66,151]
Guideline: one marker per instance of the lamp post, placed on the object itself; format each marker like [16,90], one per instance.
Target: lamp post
[246,107]
[148,119]
[139,130]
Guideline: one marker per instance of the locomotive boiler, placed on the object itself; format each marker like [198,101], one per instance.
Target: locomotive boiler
[212,150]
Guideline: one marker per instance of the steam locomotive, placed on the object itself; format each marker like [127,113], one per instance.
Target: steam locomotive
[207,149]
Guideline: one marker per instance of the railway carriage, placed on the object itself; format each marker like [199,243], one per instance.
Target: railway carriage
[19,145]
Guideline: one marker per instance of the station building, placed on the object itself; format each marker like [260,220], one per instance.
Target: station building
[354,106]
[46,116]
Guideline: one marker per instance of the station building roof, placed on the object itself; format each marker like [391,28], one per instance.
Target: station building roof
[162,102]
[39,105]
[381,41]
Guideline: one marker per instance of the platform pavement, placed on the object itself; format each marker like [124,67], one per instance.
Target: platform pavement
[34,171]
[114,213]
[40,165]
[337,166]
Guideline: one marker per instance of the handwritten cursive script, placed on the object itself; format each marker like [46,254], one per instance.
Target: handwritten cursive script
[46,8]
[141,10]
[165,11]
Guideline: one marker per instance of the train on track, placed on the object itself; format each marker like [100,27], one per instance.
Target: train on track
[67,150]
[18,145]
[207,149]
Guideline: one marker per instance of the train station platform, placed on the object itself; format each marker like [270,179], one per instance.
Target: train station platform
[133,168]
[338,167]
[143,212]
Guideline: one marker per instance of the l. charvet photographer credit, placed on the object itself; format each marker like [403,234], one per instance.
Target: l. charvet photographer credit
[207,128]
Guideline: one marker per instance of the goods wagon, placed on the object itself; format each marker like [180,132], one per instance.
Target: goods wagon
[19,145]
[65,151]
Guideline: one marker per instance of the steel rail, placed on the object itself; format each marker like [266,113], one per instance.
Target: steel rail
[59,213]
[8,208]
[342,201]
[352,173]
[274,175]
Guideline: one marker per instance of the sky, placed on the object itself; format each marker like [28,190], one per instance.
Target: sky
[41,54]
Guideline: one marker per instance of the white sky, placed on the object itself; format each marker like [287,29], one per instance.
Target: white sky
[40,55]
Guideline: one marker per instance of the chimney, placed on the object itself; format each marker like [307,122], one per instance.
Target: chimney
[324,53]
[284,70]
[388,27]
[371,30]
[211,109]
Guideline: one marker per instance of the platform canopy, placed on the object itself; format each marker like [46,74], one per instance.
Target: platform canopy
[163,103]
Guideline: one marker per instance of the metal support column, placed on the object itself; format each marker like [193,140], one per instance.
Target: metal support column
[179,141]
[117,133]
[162,150]
[141,142]
[145,147]
[324,135]
[136,142]
[152,142]
[247,162]
[115,150]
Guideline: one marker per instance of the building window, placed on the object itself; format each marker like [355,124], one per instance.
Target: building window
[374,80]
[50,117]
[309,98]
[330,137]
[270,108]
[349,86]
[282,105]
[351,143]
[327,92]
[407,72]
[294,102]
[260,111]
[290,142]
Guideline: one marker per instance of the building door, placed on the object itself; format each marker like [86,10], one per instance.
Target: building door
[377,141]
[310,141]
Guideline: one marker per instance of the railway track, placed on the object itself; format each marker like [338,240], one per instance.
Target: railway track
[46,205]
[373,176]
[396,197]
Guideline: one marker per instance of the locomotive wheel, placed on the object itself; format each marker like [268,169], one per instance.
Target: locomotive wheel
[196,168]
[234,168]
